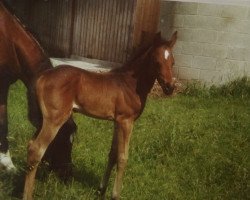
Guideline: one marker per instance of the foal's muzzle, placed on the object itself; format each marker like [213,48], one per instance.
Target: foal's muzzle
[168,88]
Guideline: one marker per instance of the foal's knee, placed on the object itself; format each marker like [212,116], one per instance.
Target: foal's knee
[34,153]
[122,161]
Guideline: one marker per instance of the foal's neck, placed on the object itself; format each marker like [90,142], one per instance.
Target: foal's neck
[144,74]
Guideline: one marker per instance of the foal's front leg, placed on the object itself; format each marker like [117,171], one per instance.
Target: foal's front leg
[112,160]
[118,155]
[124,130]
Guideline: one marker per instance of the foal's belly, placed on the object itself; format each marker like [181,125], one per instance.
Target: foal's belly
[96,106]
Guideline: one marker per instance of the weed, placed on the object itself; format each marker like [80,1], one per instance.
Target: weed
[237,88]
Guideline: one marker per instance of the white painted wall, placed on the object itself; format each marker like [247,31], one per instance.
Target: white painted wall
[225,2]
[213,43]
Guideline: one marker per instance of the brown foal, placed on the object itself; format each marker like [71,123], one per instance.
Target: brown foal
[118,95]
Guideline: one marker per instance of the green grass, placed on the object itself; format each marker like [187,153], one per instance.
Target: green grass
[194,145]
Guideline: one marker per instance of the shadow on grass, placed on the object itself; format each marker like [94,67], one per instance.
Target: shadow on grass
[18,180]
[18,185]
[86,177]
[14,183]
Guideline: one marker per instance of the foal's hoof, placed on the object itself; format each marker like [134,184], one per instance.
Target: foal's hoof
[6,163]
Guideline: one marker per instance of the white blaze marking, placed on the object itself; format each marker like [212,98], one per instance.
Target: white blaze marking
[166,54]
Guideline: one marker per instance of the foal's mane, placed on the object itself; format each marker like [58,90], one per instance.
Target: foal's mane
[140,54]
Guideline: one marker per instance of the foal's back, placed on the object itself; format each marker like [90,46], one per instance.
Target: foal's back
[101,95]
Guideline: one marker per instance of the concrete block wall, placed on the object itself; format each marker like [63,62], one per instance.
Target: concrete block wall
[213,40]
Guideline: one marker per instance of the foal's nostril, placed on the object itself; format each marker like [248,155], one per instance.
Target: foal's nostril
[169,88]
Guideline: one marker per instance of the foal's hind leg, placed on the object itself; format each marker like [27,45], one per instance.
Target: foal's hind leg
[59,159]
[36,150]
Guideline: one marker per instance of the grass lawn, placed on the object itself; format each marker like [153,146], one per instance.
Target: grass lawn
[194,145]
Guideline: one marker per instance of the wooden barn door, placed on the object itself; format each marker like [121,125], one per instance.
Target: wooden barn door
[146,20]
[108,30]
[52,22]
[102,29]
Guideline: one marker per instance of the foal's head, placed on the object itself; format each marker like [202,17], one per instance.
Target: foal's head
[164,61]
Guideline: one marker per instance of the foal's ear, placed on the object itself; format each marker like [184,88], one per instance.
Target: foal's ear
[173,40]
[157,37]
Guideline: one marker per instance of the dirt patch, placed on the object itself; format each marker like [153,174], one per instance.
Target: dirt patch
[157,91]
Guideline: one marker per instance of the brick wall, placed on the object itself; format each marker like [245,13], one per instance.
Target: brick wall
[214,40]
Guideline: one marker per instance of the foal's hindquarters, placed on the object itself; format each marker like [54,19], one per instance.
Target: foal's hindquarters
[56,110]
[62,90]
